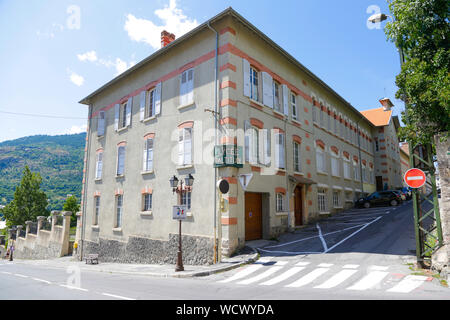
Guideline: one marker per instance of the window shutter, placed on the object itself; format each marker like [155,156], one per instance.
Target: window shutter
[116,116]
[121,161]
[279,149]
[190,86]
[101,124]
[142,104]
[247,140]
[150,155]
[285,99]
[157,98]
[183,88]
[267,89]
[129,104]
[282,160]
[188,146]
[246,69]
[181,147]
[144,163]
[266,149]
[99,167]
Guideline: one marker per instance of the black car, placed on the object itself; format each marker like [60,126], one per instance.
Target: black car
[380,198]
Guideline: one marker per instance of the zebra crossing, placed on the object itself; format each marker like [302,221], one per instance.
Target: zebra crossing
[297,274]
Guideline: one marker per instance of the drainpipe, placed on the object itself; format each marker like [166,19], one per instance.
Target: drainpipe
[360,159]
[216,76]
[84,197]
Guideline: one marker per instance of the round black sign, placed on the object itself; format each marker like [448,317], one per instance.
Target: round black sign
[223,186]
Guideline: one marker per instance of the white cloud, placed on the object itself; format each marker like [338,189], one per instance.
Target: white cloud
[174,21]
[76,78]
[88,56]
[76,129]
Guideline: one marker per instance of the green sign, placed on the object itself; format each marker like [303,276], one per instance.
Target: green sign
[228,156]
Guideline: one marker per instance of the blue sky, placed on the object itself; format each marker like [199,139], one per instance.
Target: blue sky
[54,53]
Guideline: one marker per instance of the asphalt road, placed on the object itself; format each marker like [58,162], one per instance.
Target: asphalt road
[361,254]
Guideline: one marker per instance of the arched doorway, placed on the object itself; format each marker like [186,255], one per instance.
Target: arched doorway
[298,205]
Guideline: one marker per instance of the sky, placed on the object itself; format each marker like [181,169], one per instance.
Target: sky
[53,53]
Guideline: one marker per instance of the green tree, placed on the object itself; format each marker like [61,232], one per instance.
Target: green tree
[72,205]
[29,200]
[421,29]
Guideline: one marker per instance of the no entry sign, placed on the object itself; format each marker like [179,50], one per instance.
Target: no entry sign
[415,178]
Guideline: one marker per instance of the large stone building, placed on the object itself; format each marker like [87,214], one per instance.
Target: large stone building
[294,148]
[387,150]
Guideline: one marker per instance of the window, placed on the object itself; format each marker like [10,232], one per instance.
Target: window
[186,199]
[320,160]
[148,155]
[322,119]
[356,172]
[187,87]
[252,137]
[123,115]
[150,106]
[279,149]
[280,202]
[314,111]
[294,106]
[120,161]
[328,119]
[322,199]
[342,132]
[185,146]
[376,145]
[336,199]
[297,158]
[347,173]
[96,210]
[254,84]
[101,124]
[99,165]
[276,96]
[119,210]
[335,164]
[365,173]
[147,202]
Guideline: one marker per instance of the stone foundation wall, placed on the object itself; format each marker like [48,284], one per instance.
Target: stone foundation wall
[196,250]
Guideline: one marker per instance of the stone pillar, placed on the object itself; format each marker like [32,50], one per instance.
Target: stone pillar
[27,227]
[66,232]
[40,220]
[441,258]
[19,228]
[78,234]
[55,215]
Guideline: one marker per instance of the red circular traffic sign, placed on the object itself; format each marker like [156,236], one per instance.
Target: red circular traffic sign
[415,178]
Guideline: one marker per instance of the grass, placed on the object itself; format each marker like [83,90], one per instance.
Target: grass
[428,273]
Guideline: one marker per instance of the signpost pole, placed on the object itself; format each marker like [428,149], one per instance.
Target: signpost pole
[179,266]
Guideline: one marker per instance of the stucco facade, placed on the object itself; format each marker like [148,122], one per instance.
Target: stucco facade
[289,192]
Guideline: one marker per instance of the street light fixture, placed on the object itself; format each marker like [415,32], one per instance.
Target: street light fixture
[189,181]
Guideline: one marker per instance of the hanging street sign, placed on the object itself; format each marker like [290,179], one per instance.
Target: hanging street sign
[415,178]
[179,212]
[228,156]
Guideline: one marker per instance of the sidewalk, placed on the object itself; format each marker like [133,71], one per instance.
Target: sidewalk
[248,255]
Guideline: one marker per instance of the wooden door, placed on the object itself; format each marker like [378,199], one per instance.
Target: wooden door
[298,206]
[379,181]
[253,216]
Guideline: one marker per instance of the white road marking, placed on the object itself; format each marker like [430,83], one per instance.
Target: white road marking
[337,279]
[290,252]
[325,265]
[42,280]
[324,244]
[5,272]
[302,263]
[345,239]
[261,276]
[283,276]
[369,281]
[378,268]
[248,270]
[310,277]
[116,296]
[73,288]
[408,284]
[350,266]
[20,275]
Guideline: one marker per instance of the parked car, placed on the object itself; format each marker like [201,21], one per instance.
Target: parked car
[380,198]
[401,193]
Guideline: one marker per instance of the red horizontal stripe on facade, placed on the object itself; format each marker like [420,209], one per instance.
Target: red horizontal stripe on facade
[229,221]
[228,66]
[228,84]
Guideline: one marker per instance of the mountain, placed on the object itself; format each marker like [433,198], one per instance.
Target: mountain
[59,160]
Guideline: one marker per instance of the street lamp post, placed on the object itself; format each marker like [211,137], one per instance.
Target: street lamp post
[189,181]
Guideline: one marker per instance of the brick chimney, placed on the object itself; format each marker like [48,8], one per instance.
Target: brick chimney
[166,38]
